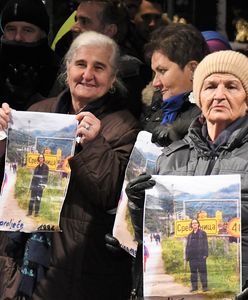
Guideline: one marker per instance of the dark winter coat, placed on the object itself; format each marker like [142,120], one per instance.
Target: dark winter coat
[192,156]
[40,177]
[81,267]
[28,72]
[202,249]
[179,128]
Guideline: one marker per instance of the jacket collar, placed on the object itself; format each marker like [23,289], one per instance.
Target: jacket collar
[64,104]
[234,135]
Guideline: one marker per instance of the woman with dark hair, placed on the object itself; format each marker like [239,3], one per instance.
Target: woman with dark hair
[175,50]
[38,183]
[196,253]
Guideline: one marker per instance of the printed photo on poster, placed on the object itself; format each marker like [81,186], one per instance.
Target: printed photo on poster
[192,238]
[142,159]
[37,172]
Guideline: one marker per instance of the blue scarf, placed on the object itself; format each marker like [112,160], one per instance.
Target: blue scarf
[171,107]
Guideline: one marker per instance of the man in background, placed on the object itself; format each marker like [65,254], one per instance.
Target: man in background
[27,63]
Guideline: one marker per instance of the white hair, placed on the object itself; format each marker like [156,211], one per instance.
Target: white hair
[98,40]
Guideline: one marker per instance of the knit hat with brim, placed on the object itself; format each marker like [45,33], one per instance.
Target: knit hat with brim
[30,11]
[226,61]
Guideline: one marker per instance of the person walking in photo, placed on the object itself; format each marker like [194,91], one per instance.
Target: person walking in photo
[38,183]
[196,255]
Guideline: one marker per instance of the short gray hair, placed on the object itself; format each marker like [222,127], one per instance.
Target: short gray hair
[92,38]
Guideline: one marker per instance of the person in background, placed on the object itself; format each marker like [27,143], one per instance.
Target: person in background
[196,253]
[107,17]
[148,18]
[146,256]
[132,7]
[38,183]
[171,111]
[216,41]
[28,65]
[78,265]
[216,142]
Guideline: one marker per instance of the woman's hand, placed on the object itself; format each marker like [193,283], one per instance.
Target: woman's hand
[4,116]
[88,128]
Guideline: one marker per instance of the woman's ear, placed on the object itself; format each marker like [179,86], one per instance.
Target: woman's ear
[192,66]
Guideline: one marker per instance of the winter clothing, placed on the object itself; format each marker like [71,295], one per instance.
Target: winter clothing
[135,191]
[80,266]
[166,133]
[196,254]
[40,178]
[195,155]
[30,11]
[216,41]
[227,61]
[28,77]
[171,107]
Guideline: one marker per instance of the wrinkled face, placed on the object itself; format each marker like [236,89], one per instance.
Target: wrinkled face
[22,32]
[88,18]
[89,74]
[148,18]
[169,78]
[223,99]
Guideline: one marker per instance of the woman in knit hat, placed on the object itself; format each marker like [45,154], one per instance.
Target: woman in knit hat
[28,65]
[216,41]
[217,141]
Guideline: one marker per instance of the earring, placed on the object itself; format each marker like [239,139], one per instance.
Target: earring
[112,90]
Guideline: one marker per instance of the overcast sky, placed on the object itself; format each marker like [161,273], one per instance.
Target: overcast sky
[25,120]
[197,184]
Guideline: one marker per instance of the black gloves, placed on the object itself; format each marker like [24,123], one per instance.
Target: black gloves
[112,244]
[135,191]
[164,135]
[114,247]
[243,295]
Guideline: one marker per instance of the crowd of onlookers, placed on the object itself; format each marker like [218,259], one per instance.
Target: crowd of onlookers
[120,67]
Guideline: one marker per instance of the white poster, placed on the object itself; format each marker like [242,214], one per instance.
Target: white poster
[37,172]
[192,238]
[142,159]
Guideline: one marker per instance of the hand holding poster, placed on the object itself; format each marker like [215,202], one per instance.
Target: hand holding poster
[192,235]
[36,173]
[142,159]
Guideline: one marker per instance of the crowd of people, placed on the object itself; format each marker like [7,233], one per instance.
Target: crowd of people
[122,67]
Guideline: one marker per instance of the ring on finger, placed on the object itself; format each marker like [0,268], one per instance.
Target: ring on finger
[87,126]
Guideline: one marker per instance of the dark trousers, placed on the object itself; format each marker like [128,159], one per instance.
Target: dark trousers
[198,266]
[35,201]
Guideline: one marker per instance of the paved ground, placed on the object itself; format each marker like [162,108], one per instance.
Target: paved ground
[10,211]
[161,286]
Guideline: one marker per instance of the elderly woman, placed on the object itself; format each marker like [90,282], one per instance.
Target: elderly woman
[216,142]
[175,51]
[80,266]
